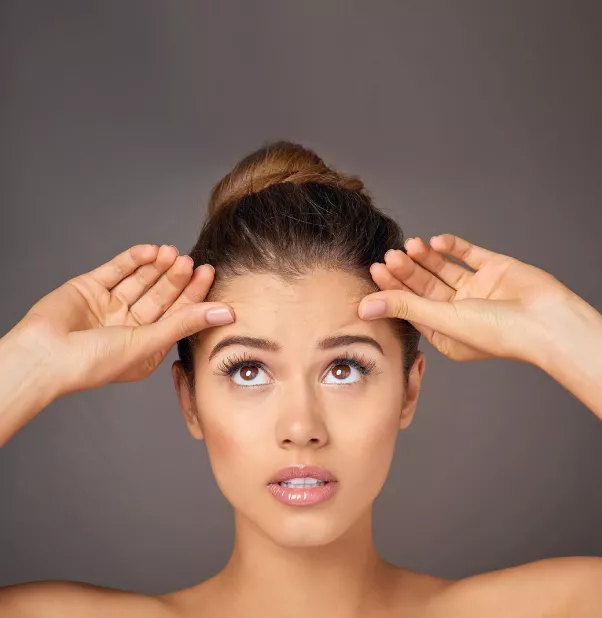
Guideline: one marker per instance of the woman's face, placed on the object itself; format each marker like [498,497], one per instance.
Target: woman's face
[295,405]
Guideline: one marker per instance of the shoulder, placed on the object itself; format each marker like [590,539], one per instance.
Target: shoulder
[62,599]
[570,586]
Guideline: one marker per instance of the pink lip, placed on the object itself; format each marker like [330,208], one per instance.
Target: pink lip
[303,496]
[302,471]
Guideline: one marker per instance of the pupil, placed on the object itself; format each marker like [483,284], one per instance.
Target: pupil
[249,370]
[338,372]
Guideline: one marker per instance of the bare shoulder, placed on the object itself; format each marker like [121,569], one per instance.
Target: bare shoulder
[61,599]
[570,586]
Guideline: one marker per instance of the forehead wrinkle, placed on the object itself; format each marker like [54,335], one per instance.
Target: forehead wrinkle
[256,298]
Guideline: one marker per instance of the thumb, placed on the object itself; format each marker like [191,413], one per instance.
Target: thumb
[183,323]
[439,315]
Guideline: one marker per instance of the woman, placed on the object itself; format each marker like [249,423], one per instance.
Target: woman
[298,365]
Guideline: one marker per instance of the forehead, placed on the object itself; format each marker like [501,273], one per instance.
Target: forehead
[315,292]
[298,314]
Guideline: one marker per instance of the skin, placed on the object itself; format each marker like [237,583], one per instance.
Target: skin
[296,417]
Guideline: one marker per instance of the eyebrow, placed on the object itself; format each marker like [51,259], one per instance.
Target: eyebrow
[335,341]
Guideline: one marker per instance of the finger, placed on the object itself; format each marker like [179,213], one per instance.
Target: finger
[441,316]
[196,291]
[452,348]
[385,280]
[161,296]
[156,338]
[452,274]
[476,257]
[112,272]
[132,287]
[417,278]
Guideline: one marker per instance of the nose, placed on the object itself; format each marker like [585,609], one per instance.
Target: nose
[301,422]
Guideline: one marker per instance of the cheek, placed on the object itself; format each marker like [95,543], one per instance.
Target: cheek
[221,444]
[235,449]
[369,442]
[375,439]
[373,421]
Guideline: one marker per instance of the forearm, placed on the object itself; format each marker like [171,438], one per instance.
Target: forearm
[572,354]
[26,386]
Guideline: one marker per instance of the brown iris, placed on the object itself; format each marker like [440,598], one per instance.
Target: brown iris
[341,373]
[248,372]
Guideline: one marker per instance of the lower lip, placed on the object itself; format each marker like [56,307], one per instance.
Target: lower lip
[303,496]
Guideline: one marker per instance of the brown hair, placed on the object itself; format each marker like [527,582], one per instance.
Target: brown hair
[282,211]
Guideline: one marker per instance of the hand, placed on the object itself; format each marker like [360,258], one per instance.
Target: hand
[501,308]
[117,322]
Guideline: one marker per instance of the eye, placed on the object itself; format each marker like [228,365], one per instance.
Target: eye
[248,367]
[343,368]
[248,370]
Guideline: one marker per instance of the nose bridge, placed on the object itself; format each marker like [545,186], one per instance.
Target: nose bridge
[300,419]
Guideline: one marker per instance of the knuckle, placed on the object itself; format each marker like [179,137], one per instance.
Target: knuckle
[187,327]
[136,316]
[465,253]
[430,286]
[141,280]
[158,300]
[400,308]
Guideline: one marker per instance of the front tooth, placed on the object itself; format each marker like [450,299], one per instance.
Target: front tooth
[302,482]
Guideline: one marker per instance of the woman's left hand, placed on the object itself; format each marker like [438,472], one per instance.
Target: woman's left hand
[502,308]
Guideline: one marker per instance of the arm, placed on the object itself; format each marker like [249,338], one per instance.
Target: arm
[26,384]
[572,353]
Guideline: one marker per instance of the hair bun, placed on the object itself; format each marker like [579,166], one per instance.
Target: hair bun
[275,163]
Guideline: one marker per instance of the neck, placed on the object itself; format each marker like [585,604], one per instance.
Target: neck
[344,578]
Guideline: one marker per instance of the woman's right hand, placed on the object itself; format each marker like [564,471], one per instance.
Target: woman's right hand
[117,322]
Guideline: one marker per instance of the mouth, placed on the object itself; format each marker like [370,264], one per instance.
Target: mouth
[303,485]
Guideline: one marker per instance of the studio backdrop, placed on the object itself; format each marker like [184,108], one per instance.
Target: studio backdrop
[477,118]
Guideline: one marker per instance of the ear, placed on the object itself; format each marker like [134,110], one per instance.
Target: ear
[186,400]
[413,390]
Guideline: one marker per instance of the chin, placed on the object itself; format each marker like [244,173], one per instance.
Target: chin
[298,530]
[302,526]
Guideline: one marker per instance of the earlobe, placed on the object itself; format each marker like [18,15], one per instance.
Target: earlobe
[407,415]
[193,424]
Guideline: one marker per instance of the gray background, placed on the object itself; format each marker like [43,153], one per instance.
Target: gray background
[478,118]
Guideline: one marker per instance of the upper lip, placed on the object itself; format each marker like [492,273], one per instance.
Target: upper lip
[302,471]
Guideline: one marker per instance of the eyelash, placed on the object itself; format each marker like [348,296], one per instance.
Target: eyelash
[234,363]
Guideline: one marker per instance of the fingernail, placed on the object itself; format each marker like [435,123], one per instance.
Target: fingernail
[388,253]
[405,244]
[175,248]
[373,309]
[219,316]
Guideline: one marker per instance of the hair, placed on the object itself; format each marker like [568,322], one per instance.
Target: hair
[282,211]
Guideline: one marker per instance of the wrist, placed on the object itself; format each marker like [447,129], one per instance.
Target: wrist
[26,369]
[572,332]
[572,352]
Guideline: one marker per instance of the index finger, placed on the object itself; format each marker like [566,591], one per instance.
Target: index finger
[112,272]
